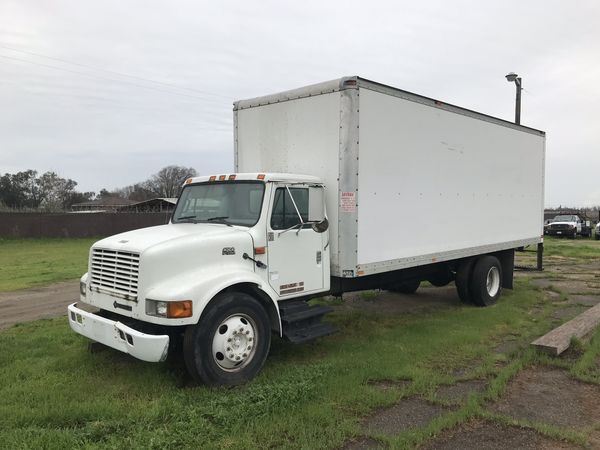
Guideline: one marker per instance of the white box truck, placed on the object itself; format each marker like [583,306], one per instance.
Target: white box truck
[341,186]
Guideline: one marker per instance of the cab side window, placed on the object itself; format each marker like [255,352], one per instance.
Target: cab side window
[284,214]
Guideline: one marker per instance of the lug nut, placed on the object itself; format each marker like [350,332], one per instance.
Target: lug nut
[229,340]
[231,356]
[245,354]
[250,338]
[237,358]
[228,349]
[247,331]
[249,347]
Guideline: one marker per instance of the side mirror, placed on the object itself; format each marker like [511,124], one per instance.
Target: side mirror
[316,204]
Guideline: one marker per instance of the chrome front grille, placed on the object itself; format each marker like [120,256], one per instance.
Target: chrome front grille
[115,272]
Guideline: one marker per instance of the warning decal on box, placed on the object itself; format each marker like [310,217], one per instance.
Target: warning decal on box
[348,202]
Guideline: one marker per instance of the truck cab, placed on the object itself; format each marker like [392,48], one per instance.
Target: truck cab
[236,246]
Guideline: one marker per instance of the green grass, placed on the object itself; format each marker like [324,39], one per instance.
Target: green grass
[54,394]
[28,263]
[579,248]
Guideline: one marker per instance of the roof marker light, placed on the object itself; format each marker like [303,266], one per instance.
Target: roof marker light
[213,178]
[188,181]
[221,177]
[261,176]
[231,177]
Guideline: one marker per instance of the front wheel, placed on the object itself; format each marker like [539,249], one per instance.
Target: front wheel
[230,343]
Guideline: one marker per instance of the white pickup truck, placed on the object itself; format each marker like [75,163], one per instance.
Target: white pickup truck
[568,225]
[397,189]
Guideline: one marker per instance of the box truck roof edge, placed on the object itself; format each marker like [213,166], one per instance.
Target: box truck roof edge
[353,82]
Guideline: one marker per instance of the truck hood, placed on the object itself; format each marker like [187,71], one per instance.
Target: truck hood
[145,238]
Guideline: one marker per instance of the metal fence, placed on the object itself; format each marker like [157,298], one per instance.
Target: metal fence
[40,225]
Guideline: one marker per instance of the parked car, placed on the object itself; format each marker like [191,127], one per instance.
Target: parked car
[570,225]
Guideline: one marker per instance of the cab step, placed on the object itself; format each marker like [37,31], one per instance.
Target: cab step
[301,322]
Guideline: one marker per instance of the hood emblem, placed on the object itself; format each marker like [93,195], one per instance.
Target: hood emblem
[228,250]
[124,241]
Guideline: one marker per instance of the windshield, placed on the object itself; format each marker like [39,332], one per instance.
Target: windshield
[229,202]
[564,219]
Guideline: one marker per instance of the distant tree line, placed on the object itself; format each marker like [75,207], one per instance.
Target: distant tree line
[27,190]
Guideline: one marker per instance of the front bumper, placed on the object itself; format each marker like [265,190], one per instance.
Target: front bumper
[147,347]
[562,232]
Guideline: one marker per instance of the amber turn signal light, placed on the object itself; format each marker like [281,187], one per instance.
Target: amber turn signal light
[179,309]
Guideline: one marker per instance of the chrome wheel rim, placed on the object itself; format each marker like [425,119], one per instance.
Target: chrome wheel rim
[493,281]
[234,342]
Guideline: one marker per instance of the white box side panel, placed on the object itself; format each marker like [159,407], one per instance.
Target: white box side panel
[299,136]
[434,182]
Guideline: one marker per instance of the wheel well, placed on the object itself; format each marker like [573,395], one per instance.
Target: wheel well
[254,291]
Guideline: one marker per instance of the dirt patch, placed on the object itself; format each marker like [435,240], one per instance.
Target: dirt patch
[459,392]
[543,283]
[587,300]
[409,413]
[386,302]
[361,443]
[568,312]
[387,385]
[39,303]
[493,436]
[509,344]
[551,396]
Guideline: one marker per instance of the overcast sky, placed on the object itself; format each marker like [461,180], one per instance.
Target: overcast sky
[90,122]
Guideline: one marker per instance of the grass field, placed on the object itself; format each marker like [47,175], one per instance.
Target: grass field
[54,394]
[28,263]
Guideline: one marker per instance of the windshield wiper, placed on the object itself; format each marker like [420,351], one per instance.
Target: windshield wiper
[219,219]
[190,219]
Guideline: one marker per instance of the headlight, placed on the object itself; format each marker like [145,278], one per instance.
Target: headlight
[170,310]
[82,288]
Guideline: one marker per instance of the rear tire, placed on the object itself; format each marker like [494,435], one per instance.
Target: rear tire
[486,281]
[463,279]
[230,342]
[406,287]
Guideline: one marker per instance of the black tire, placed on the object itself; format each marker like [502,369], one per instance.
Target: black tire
[224,319]
[406,287]
[484,294]
[463,279]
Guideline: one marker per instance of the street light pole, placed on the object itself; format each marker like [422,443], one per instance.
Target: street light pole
[519,86]
[513,77]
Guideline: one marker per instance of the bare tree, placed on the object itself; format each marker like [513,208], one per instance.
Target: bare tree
[167,182]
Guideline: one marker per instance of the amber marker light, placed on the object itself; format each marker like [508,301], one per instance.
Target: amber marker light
[188,181]
[260,250]
[221,177]
[231,177]
[261,176]
[213,178]
[176,310]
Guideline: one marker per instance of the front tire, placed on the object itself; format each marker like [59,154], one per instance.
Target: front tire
[230,342]
[486,281]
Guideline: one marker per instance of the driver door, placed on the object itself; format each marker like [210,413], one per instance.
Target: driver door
[296,256]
